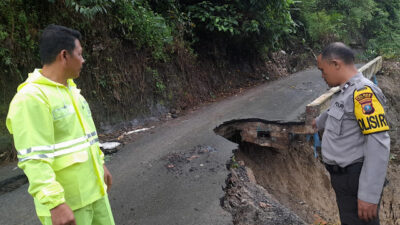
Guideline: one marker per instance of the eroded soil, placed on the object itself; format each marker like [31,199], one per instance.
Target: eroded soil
[250,203]
[294,178]
[389,81]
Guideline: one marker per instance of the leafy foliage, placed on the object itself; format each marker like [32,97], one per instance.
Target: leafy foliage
[89,8]
[16,35]
[324,26]
[373,24]
[250,26]
[222,18]
[383,32]
[138,23]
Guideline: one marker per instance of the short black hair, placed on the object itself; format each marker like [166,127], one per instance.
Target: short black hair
[338,50]
[54,39]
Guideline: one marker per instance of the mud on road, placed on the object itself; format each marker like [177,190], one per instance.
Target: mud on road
[194,163]
[299,183]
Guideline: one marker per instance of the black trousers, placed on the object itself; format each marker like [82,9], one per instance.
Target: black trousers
[345,183]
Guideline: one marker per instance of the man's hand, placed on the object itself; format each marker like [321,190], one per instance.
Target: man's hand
[62,215]
[107,178]
[367,211]
[314,125]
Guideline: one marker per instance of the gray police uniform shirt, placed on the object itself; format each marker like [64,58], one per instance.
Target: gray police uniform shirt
[343,142]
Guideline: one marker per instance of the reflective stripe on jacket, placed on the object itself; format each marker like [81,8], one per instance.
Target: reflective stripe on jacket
[56,143]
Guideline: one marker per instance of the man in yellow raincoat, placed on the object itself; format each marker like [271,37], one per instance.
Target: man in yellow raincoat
[56,139]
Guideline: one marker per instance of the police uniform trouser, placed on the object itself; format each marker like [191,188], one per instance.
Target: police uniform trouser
[345,183]
[97,213]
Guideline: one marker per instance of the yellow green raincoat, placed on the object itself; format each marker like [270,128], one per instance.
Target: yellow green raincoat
[57,144]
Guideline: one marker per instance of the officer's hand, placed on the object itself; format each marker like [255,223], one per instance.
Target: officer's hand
[62,215]
[367,211]
[107,178]
[314,125]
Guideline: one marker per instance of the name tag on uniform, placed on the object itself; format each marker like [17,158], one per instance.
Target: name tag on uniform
[337,110]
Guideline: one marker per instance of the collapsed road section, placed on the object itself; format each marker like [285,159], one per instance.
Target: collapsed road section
[275,166]
[285,171]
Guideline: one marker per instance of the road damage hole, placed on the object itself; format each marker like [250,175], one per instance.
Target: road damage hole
[250,203]
[291,180]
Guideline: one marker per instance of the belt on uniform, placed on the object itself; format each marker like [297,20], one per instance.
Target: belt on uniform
[335,169]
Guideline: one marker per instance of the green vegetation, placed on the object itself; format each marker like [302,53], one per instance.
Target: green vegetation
[241,27]
[223,28]
[370,24]
[138,23]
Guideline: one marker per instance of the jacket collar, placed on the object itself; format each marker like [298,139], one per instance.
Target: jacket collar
[37,78]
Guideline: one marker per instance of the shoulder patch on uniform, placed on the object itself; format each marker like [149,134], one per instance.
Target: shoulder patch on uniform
[369,111]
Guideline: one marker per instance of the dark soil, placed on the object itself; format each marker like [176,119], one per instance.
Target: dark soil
[294,177]
[250,203]
[194,163]
[388,81]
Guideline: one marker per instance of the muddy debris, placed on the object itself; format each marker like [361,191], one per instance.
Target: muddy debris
[192,163]
[250,203]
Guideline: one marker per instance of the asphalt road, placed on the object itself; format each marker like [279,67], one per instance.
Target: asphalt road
[174,174]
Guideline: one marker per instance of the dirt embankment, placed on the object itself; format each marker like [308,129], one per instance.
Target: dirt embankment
[293,177]
[299,182]
[250,203]
[389,81]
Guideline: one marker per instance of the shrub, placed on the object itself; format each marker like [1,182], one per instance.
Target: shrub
[138,23]
[372,24]
[250,27]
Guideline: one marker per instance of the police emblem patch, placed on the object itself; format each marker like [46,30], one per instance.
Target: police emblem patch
[365,100]
[369,111]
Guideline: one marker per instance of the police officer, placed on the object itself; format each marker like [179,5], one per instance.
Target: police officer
[355,142]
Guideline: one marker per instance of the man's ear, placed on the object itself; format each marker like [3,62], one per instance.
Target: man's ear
[337,64]
[64,53]
[63,56]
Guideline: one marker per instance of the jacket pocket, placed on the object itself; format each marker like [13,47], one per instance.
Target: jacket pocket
[334,121]
[61,112]
[63,162]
